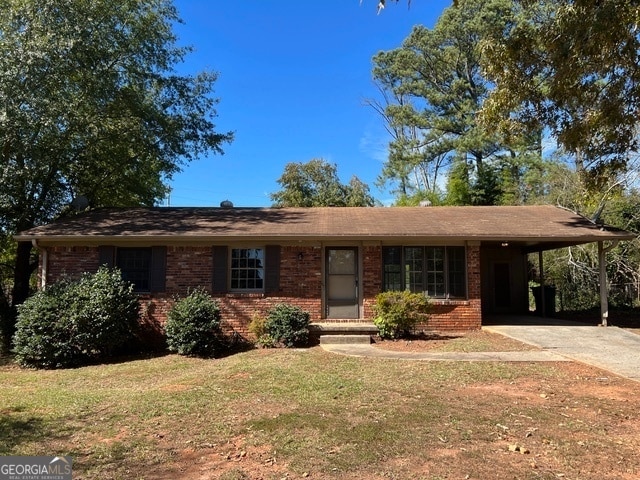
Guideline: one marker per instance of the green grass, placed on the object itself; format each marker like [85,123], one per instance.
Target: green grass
[314,412]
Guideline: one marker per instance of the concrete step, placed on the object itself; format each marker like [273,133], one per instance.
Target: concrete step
[345,328]
[345,339]
[340,332]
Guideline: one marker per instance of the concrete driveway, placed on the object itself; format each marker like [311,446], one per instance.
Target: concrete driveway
[609,348]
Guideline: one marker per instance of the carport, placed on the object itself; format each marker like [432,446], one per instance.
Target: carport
[504,262]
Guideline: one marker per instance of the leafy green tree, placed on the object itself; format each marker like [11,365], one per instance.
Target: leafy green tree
[484,187]
[357,194]
[316,184]
[91,106]
[434,88]
[572,67]
[522,179]
[459,185]
[412,178]
[623,262]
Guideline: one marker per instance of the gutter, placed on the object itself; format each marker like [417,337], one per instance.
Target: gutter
[94,238]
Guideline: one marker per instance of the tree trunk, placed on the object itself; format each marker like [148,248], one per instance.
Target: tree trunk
[21,277]
[22,274]
[7,322]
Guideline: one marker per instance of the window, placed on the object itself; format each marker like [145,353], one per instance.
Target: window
[144,267]
[135,265]
[413,269]
[439,272]
[247,269]
[392,266]
[435,272]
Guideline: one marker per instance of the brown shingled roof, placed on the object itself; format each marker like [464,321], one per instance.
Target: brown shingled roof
[526,224]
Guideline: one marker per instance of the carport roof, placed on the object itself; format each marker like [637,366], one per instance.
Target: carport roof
[534,227]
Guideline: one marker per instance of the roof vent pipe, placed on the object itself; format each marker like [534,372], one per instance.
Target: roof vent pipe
[226,204]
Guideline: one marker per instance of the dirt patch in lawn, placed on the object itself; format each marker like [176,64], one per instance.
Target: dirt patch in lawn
[581,424]
[234,460]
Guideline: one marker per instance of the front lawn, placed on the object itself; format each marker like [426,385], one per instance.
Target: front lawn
[274,414]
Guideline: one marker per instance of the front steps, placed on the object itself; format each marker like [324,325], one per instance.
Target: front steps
[342,332]
[345,339]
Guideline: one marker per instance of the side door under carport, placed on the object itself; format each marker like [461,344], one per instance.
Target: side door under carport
[504,280]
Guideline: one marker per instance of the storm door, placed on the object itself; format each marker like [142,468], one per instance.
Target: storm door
[341,272]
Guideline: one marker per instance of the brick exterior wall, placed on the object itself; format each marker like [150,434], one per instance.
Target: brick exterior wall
[187,268]
[69,262]
[301,284]
[371,278]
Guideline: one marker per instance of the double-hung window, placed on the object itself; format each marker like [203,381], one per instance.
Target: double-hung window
[247,269]
[135,265]
[145,267]
[439,272]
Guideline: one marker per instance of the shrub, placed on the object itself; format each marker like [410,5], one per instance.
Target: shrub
[106,311]
[72,323]
[43,330]
[287,325]
[258,327]
[398,312]
[193,325]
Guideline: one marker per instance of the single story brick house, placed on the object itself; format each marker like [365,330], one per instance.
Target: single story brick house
[332,262]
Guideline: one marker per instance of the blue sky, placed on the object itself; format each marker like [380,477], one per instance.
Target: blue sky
[293,79]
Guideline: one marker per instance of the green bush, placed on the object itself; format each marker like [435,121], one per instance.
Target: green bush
[193,325]
[72,323]
[287,325]
[398,312]
[258,327]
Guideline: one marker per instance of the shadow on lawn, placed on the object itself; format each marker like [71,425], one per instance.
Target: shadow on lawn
[227,349]
[6,360]
[16,431]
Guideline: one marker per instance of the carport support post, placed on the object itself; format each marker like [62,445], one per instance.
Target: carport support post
[542,292]
[604,296]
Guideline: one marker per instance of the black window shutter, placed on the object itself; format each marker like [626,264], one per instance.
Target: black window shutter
[220,266]
[158,269]
[272,269]
[107,255]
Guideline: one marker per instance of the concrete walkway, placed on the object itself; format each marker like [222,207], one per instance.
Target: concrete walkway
[363,350]
[609,348]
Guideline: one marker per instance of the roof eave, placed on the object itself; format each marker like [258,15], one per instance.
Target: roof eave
[47,240]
